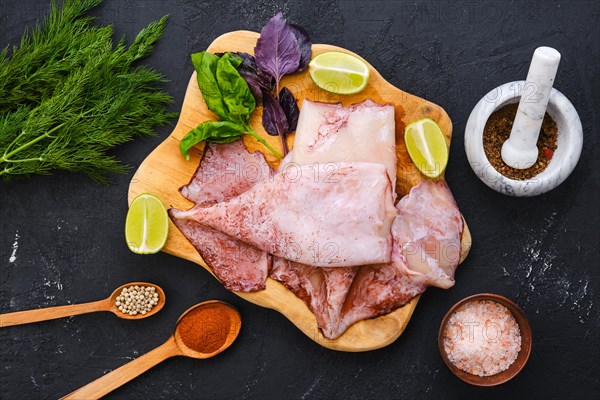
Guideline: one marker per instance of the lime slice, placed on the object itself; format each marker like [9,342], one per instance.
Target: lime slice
[427,147]
[147,225]
[339,73]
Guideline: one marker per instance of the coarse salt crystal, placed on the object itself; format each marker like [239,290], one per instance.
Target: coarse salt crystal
[482,338]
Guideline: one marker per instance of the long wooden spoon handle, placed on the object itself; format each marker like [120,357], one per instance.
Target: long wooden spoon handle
[109,382]
[44,314]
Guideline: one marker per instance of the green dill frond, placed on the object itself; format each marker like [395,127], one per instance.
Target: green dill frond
[68,95]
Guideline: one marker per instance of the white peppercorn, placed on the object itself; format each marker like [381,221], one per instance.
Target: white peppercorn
[136,299]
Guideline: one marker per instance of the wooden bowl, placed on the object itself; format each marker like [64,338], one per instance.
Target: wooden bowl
[515,367]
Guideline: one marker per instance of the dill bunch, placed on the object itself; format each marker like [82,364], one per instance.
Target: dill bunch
[68,94]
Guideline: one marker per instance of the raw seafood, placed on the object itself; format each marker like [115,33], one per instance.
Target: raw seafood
[329,215]
[239,266]
[427,215]
[286,210]
[225,171]
[426,252]
[329,133]
[376,290]
[323,290]
[427,234]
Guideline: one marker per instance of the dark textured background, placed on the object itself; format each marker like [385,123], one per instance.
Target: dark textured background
[66,232]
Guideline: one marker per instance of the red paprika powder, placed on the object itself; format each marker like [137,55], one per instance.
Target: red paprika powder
[205,329]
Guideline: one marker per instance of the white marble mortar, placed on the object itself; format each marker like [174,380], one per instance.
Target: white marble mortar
[564,160]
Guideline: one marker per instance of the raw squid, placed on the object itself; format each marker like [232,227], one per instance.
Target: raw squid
[225,171]
[426,252]
[426,249]
[238,266]
[323,290]
[329,133]
[325,216]
[427,234]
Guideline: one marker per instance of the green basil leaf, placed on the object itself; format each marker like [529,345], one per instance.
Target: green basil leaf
[234,90]
[205,64]
[237,113]
[210,131]
[234,59]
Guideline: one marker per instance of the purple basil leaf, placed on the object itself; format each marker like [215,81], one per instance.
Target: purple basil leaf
[256,78]
[288,104]
[277,51]
[273,119]
[305,45]
[254,87]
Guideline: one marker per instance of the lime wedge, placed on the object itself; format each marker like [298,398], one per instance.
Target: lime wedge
[339,73]
[147,225]
[427,147]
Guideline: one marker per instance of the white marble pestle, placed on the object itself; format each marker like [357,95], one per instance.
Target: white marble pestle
[520,150]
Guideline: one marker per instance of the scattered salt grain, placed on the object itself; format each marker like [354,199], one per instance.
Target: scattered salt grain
[482,338]
[15,247]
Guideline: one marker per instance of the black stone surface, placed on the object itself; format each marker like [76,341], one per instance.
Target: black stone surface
[62,235]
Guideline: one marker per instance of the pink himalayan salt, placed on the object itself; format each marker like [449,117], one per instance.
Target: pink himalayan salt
[482,338]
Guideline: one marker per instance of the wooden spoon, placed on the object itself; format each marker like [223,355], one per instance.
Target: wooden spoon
[174,346]
[108,304]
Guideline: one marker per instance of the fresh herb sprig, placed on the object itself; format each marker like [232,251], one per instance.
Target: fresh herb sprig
[68,95]
[282,49]
[227,95]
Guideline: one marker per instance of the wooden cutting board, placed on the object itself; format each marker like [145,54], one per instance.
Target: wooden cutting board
[164,171]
